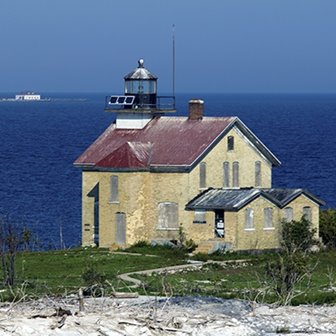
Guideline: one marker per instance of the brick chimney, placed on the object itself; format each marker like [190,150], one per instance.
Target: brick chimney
[196,108]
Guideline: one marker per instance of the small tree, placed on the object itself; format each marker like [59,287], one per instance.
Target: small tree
[187,244]
[297,236]
[11,239]
[291,266]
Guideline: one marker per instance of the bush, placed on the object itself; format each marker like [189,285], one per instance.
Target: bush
[188,244]
[291,266]
[12,238]
[328,227]
[298,236]
[141,243]
[92,276]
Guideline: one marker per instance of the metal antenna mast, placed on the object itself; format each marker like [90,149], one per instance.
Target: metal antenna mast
[174,60]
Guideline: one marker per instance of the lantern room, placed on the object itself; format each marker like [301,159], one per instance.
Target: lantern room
[140,95]
[141,84]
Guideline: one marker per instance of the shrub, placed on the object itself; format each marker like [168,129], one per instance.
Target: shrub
[92,276]
[188,244]
[12,238]
[291,266]
[328,227]
[297,236]
[141,243]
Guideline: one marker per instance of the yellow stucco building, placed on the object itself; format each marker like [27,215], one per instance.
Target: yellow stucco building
[149,174]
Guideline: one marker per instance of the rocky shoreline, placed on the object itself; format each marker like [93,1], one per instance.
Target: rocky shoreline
[162,316]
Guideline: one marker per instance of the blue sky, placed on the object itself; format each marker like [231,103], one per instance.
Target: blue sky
[240,46]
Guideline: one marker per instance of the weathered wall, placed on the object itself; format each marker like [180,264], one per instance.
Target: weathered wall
[258,237]
[298,205]
[266,238]
[141,192]
[89,180]
[244,153]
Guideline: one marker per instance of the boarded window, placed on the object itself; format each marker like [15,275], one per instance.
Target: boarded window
[288,214]
[307,213]
[226,172]
[230,143]
[258,174]
[199,217]
[120,232]
[235,174]
[168,215]
[114,186]
[249,224]
[202,175]
[268,218]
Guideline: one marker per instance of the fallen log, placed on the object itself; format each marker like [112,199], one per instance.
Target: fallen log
[125,295]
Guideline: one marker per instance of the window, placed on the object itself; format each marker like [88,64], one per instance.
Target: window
[268,218]
[120,229]
[307,214]
[168,216]
[226,173]
[199,217]
[258,174]
[202,175]
[230,143]
[235,174]
[114,185]
[288,214]
[249,225]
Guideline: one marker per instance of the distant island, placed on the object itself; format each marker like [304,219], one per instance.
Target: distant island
[30,96]
[26,96]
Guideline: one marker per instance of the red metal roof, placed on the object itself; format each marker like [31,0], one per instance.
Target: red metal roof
[164,142]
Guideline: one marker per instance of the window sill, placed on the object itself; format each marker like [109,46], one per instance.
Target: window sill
[251,229]
[269,229]
[167,229]
[113,202]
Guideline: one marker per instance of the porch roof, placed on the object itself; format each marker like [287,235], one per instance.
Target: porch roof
[235,199]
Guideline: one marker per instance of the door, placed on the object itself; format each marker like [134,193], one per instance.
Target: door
[219,223]
[96,222]
[94,193]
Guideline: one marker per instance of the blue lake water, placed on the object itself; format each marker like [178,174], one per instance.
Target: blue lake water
[40,188]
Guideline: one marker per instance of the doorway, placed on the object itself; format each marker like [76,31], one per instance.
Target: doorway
[94,193]
[219,223]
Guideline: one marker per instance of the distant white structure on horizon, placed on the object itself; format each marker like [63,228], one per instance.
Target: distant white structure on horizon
[28,96]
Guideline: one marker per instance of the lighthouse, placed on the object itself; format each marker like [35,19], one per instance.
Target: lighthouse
[140,102]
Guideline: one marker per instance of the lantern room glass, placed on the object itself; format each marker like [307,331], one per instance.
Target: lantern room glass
[140,87]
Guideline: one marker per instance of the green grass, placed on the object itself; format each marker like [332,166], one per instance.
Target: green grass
[243,281]
[60,273]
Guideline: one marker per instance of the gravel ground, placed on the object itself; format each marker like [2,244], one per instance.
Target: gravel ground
[161,316]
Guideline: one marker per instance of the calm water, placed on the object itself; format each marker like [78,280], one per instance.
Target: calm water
[40,187]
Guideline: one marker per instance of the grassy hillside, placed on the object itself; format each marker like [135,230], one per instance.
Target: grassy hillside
[61,273]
